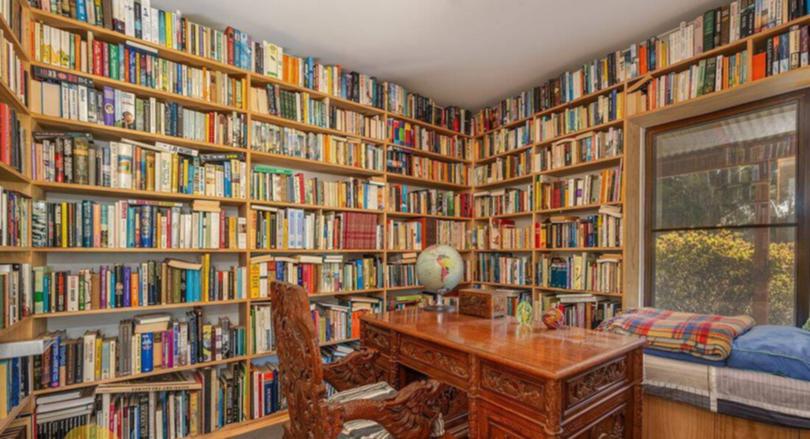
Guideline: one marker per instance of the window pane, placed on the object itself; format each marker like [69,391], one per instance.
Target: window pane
[735,271]
[735,171]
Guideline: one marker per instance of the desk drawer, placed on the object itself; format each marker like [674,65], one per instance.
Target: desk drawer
[589,386]
[436,361]
[376,338]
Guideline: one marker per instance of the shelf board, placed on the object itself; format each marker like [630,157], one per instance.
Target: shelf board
[504,250]
[155,372]
[583,166]
[137,309]
[329,294]
[249,426]
[423,182]
[73,188]
[8,172]
[504,285]
[436,128]
[576,208]
[313,251]
[303,126]
[404,288]
[505,216]
[493,157]
[603,126]
[11,98]
[309,165]
[426,215]
[573,291]
[11,36]
[134,250]
[140,90]
[581,249]
[15,331]
[430,154]
[116,132]
[11,416]
[285,204]
[506,182]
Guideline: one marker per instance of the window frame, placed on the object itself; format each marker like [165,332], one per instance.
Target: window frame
[802,274]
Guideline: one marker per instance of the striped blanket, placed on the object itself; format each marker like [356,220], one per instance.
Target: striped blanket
[701,335]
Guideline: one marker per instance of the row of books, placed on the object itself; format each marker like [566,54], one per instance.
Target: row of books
[15,293]
[292,105]
[149,283]
[339,318]
[12,70]
[501,234]
[782,53]
[408,199]
[401,270]
[606,108]
[701,78]
[419,234]
[72,97]
[417,300]
[504,201]
[405,162]
[582,310]
[232,46]
[584,148]
[15,213]
[79,158]
[357,124]
[595,188]
[284,185]
[15,379]
[316,274]
[292,228]
[263,339]
[135,224]
[585,271]
[504,140]
[13,137]
[143,344]
[181,404]
[715,28]
[504,268]
[266,390]
[403,133]
[274,139]
[504,168]
[601,230]
[135,64]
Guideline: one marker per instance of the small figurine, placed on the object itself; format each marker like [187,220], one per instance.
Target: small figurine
[553,318]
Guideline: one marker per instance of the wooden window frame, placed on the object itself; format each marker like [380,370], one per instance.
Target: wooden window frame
[802,273]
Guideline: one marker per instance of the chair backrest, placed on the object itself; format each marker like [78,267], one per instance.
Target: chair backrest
[300,364]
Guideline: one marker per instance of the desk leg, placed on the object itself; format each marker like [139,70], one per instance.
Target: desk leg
[473,395]
[636,405]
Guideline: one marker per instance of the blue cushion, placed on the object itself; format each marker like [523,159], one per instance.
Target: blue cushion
[779,350]
[683,356]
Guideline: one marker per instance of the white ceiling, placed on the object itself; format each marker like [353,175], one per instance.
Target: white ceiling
[461,52]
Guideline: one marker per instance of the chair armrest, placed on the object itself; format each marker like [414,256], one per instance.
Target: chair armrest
[357,369]
[410,414]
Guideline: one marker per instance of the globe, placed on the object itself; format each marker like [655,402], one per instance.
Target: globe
[439,268]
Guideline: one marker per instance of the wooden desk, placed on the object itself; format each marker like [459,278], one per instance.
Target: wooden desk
[521,383]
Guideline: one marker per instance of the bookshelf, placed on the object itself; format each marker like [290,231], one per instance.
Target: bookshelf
[72,258]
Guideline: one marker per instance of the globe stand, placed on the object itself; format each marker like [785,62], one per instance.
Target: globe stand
[440,306]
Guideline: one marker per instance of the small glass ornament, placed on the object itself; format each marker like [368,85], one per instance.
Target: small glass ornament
[525,313]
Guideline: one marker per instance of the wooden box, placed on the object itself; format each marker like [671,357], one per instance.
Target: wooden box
[488,304]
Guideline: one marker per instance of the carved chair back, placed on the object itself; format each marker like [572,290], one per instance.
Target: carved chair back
[300,364]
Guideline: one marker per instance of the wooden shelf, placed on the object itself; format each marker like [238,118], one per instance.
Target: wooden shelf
[257,79]
[309,165]
[73,188]
[116,132]
[278,120]
[284,204]
[155,372]
[506,216]
[249,426]
[494,157]
[504,285]
[140,90]
[572,291]
[24,406]
[426,215]
[8,172]
[581,249]
[11,36]
[134,250]
[436,128]
[137,309]
[430,154]
[601,127]
[11,98]
[331,294]
[583,166]
[422,182]
[404,288]
[506,182]
[576,208]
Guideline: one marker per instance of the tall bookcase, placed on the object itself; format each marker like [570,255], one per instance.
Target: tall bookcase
[38,324]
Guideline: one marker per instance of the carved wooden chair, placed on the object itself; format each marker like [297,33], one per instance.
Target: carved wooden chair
[411,413]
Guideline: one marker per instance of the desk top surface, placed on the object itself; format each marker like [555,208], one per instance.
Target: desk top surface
[552,354]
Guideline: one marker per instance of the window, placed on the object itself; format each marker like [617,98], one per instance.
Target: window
[722,218]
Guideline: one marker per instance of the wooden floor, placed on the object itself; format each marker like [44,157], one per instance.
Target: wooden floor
[664,419]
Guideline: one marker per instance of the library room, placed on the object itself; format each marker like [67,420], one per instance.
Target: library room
[324,219]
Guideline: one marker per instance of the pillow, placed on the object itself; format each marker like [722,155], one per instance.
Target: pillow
[778,350]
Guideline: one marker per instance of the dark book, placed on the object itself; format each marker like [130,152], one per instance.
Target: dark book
[708,29]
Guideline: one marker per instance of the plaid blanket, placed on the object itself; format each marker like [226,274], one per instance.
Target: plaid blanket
[701,335]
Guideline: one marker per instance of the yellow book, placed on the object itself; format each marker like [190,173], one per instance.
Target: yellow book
[64,224]
[4,389]
[206,266]
[175,172]
[99,347]
[255,273]
[169,26]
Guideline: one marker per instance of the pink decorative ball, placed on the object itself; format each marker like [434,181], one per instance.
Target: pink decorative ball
[553,318]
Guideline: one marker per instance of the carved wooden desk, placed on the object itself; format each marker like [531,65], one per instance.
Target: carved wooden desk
[529,382]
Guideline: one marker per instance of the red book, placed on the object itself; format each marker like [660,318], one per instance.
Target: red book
[758,66]
[98,68]
[4,143]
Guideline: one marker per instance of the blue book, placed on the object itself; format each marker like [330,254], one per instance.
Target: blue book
[127,299]
[147,352]
[14,375]
[227,172]
[81,11]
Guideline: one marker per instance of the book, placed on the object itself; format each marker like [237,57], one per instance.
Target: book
[420,233]
[411,135]
[292,228]
[405,162]
[284,185]
[13,135]
[409,199]
[14,217]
